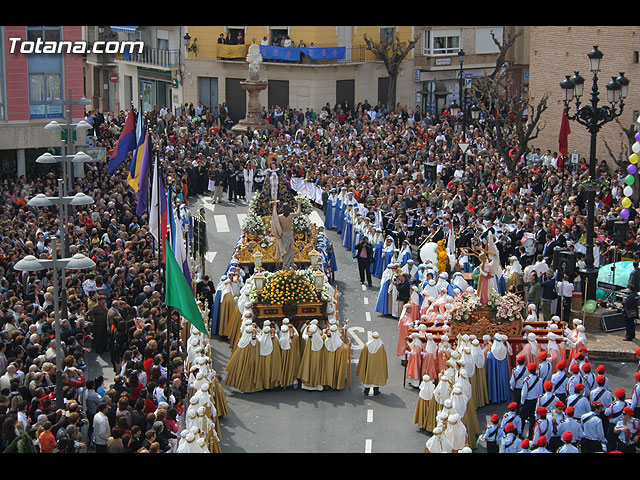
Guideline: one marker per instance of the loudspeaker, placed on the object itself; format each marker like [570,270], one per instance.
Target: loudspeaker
[610,221]
[566,264]
[613,322]
[620,231]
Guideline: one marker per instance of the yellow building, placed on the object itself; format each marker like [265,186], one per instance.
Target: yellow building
[213,72]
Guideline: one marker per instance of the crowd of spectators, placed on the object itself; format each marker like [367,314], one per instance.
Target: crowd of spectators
[403,165]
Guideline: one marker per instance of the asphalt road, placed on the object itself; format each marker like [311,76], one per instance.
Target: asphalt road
[346,421]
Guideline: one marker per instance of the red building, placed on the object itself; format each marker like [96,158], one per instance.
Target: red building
[30,80]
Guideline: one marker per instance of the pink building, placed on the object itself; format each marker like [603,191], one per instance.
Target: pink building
[30,80]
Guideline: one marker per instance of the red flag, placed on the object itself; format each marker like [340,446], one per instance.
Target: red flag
[563,137]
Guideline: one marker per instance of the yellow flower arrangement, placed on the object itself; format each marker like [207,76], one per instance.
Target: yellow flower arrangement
[288,287]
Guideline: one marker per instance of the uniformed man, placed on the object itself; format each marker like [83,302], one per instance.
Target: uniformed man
[542,427]
[579,401]
[493,434]
[531,390]
[588,378]
[601,394]
[511,416]
[517,378]
[560,380]
[545,369]
[509,441]
[568,446]
[613,412]
[541,445]
[635,396]
[593,432]
[548,398]
[556,417]
[570,424]
[628,431]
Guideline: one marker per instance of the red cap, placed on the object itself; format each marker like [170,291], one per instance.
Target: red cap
[560,404]
[542,355]
[509,427]
[542,441]
[597,404]
[520,358]
[569,410]
[638,351]
[575,368]
[494,418]
[532,366]
[524,443]
[636,376]
[512,406]
[548,385]
[567,437]
[578,386]
[600,369]
[583,349]
[541,411]
[578,355]
[628,410]
[600,379]
[620,393]
[561,365]
[586,367]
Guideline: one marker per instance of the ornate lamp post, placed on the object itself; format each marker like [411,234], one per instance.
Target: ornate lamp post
[593,117]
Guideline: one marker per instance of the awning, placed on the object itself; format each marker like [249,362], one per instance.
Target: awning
[124,29]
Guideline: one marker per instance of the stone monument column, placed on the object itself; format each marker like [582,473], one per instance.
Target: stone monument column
[253,86]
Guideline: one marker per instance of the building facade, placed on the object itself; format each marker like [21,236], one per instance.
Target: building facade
[558,51]
[213,71]
[29,83]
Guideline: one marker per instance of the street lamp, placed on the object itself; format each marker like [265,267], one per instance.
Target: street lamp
[462,100]
[79,199]
[593,117]
[32,264]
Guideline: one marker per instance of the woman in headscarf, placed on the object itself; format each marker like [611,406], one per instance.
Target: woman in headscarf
[337,359]
[312,366]
[243,364]
[425,413]
[498,371]
[289,341]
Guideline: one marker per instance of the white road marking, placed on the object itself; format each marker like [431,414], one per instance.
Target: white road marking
[241,217]
[210,206]
[209,256]
[365,300]
[367,316]
[369,416]
[367,446]
[364,288]
[221,223]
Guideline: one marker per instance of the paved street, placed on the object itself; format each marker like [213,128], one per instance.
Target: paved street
[297,421]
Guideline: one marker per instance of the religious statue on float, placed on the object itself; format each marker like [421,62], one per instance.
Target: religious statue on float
[275,190]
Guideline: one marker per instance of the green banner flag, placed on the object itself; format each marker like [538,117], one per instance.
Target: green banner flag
[178,294]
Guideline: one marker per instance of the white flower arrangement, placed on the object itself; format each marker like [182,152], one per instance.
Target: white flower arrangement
[301,224]
[253,224]
[306,207]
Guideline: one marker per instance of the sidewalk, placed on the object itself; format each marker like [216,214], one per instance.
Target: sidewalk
[611,346]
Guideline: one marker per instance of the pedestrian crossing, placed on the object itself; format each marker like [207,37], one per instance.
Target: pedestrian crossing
[232,222]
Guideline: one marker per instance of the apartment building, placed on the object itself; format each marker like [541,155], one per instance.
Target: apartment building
[558,51]
[29,84]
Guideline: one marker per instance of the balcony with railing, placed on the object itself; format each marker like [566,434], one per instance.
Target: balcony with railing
[154,57]
[312,56]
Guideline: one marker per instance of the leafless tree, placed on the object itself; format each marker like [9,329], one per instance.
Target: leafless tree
[514,119]
[391,51]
